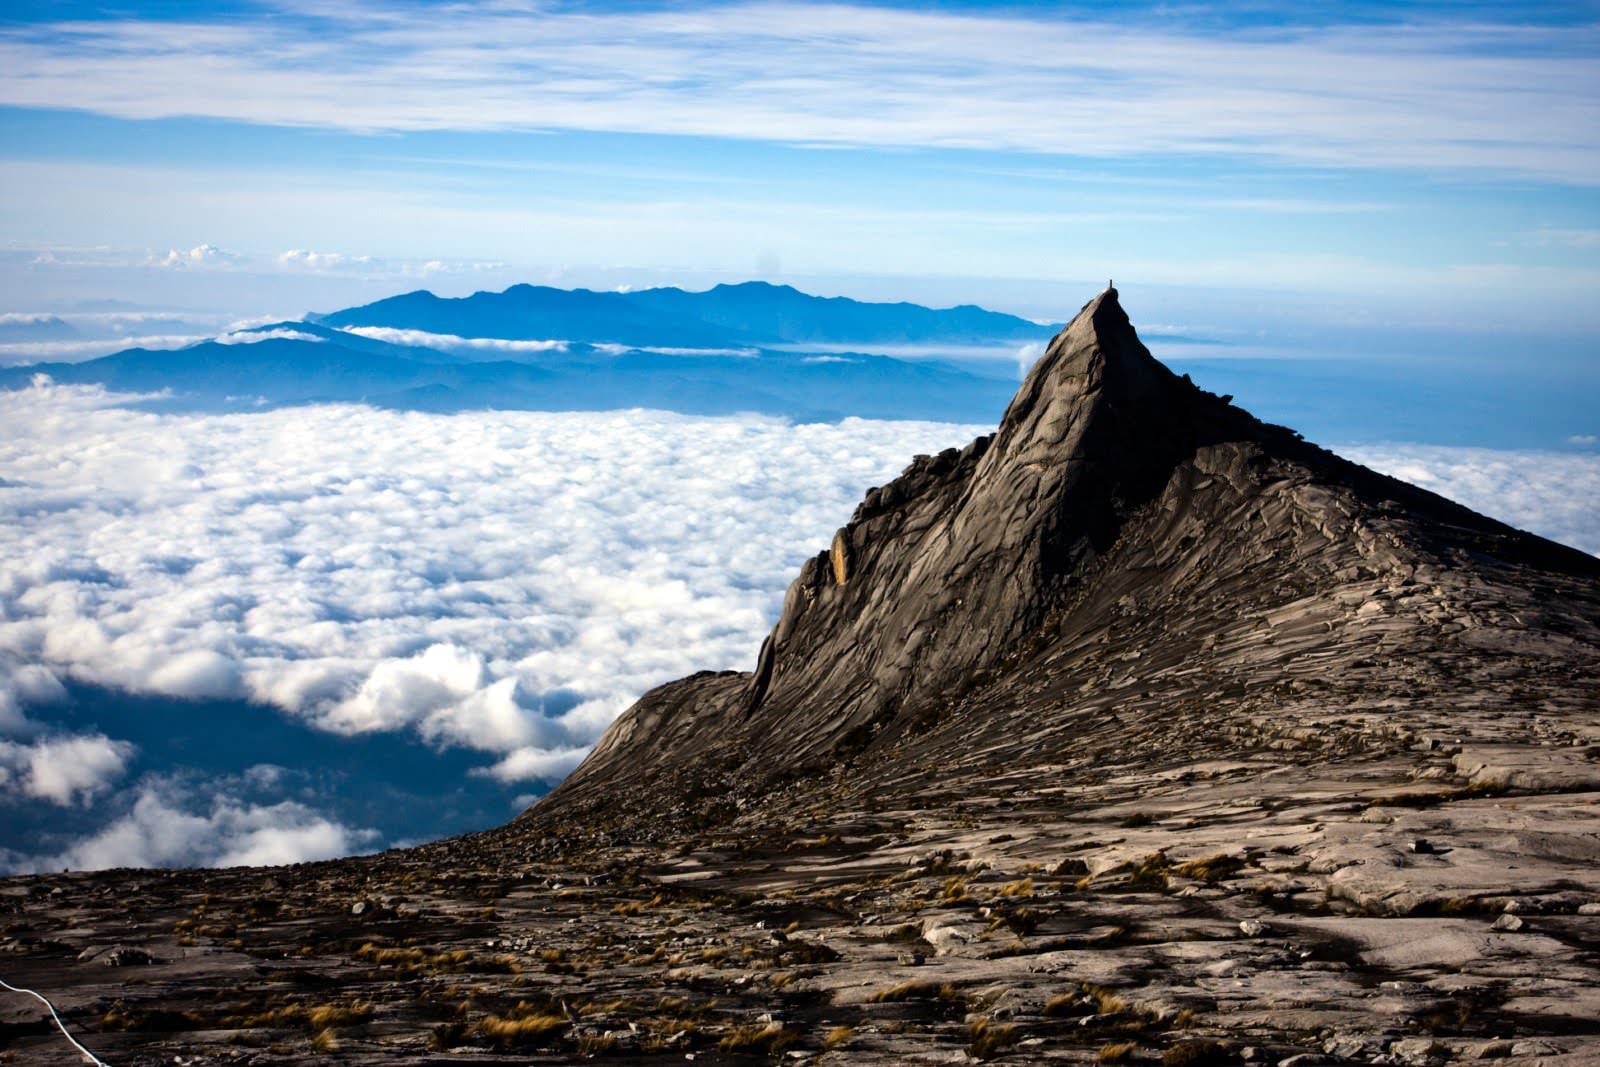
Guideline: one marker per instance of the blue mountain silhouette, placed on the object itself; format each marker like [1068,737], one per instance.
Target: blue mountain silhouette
[705,353]
[744,314]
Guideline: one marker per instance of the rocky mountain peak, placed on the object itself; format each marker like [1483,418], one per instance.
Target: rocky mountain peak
[938,573]
[1097,403]
[1119,514]
[1096,359]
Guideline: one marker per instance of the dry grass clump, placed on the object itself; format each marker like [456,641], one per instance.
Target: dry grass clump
[1212,868]
[1196,1053]
[1106,1002]
[126,1017]
[391,956]
[671,1005]
[838,1036]
[769,1039]
[989,1039]
[674,1016]
[1115,1051]
[1022,887]
[1021,921]
[326,1015]
[556,962]
[319,1017]
[523,1025]
[1061,1004]
[596,1044]
[634,907]
[1151,871]
[412,960]
[608,1007]
[916,991]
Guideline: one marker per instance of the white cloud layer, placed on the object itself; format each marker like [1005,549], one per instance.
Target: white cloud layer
[504,582]
[1430,93]
[62,770]
[1555,494]
[321,261]
[250,337]
[23,687]
[163,831]
[617,350]
[197,257]
[16,353]
[449,342]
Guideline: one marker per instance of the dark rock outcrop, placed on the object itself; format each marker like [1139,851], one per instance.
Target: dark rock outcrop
[1119,516]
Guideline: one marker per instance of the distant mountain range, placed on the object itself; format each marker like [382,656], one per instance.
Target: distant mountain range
[734,348]
[749,313]
[14,328]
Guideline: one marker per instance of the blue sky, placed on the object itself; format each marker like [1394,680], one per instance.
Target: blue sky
[1421,165]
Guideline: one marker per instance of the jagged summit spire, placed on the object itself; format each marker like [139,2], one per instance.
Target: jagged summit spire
[1098,418]
[939,572]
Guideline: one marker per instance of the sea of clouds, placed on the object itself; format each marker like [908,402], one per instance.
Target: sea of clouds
[503,583]
[500,582]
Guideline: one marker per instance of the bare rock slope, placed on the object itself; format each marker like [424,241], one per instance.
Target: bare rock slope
[1139,732]
[1124,540]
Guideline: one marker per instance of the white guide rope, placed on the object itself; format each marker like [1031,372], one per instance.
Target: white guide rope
[88,1056]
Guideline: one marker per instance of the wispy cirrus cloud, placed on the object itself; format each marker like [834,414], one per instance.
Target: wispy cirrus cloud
[1566,238]
[379,266]
[1430,94]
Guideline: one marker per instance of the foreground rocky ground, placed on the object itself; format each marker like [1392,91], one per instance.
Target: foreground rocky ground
[1411,896]
[1141,732]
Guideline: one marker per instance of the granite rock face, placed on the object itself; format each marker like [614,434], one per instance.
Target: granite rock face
[1121,524]
[1139,732]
